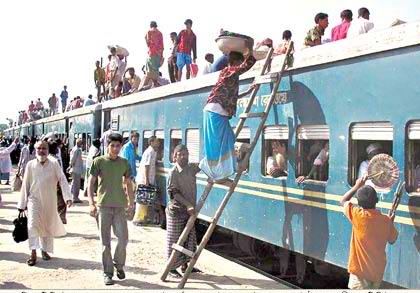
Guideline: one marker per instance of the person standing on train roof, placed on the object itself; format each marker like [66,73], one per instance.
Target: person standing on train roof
[53,104]
[112,68]
[219,161]
[362,24]
[64,97]
[76,169]
[314,35]
[172,68]
[99,80]
[371,231]
[113,176]
[154,42]
[182,191]
[186,42]
[130,152]
[339,32]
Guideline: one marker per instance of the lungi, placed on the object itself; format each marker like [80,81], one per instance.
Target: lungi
[219,147]
[174,228]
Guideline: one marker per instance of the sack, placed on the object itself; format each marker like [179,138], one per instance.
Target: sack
[146,194]
[20,233]
[17,183]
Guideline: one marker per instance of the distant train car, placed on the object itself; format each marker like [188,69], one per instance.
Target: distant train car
[347,94]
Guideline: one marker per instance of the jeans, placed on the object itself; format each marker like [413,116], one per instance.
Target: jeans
[113,217]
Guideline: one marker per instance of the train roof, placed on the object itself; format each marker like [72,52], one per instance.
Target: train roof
[72,113]
[400,36]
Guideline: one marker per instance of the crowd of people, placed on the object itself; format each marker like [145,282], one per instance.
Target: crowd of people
[115,79]
[113,178]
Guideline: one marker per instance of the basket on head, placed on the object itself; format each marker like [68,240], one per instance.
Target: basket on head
[383,171]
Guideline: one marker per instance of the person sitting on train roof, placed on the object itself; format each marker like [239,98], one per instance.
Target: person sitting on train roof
[284,45]
[209,61]
[314,35]
[182,191]
[339,32]
[361,25]
[131,82]
[371,231]
[277,163]
[219,139]
[319,166]
[39,105]
[118,90]
[89,101]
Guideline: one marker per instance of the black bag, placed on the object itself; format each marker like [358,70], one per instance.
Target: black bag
[20,233]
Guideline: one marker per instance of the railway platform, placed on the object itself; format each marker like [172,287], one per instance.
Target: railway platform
[76,262]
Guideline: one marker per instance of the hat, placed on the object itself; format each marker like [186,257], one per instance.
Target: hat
[188,21]
[153,24]
[374,148]
[366,197]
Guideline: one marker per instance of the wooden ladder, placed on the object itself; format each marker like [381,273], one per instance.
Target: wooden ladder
[178,247]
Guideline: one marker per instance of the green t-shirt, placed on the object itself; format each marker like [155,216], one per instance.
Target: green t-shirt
[110,175]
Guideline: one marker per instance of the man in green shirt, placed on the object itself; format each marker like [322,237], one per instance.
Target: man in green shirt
[314,35]
[110,170]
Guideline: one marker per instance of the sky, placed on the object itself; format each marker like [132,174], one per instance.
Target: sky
[50,43]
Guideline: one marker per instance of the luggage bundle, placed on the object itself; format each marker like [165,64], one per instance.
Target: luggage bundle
[229,41]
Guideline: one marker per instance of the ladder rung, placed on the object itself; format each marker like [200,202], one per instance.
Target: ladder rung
[252,115]
[182,250]
[267,78]
[226,182]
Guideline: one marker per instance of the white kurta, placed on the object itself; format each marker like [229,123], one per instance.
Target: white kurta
[5,161]
[39,195]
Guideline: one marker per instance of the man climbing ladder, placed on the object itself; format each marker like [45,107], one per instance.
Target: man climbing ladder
[219,176]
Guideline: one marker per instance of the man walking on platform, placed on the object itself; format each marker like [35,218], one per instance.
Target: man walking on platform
[76,165]
[39,196]
[110,170]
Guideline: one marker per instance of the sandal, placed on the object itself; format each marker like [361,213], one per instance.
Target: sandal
[45,256]
[31,262]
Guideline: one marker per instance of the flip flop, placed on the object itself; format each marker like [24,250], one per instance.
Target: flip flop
[31,262]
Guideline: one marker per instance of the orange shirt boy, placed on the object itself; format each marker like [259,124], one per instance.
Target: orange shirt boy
[370,234]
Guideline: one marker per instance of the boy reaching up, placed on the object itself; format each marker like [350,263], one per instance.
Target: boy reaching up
[371,232]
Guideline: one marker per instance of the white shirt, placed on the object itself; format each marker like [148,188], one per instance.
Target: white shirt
[207,68]
[359,26]
[148,159]
[216,108]
[113,63]
[121,67]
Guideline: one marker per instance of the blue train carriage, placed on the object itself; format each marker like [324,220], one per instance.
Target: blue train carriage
[83,123]
[347,94]
[38,128]
[56,124]
[26,129]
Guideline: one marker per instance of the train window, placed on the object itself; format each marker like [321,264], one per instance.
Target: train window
[274,151]
[412,158]
[146,135]
[126,136]
[366,140]
[313,152]
[176,139]
[160,135]
[193,145]
[242,144]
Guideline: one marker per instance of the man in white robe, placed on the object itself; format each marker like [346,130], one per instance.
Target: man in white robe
[39,197]
[5,152]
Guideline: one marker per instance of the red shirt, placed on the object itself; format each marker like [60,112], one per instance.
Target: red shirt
[154,40]
[225,92]
[187,41]
[31,108]
[339,32]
